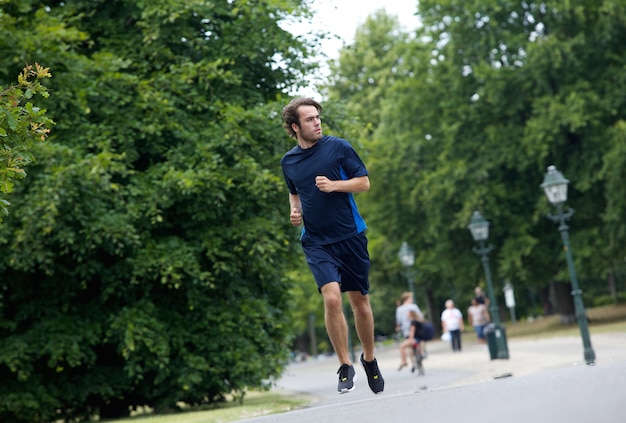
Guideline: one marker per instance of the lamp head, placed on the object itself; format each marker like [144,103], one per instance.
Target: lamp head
[406,255]
[555,186]
[479,227]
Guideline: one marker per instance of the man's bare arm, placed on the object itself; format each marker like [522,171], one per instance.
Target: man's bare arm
[358,184]
[295,216]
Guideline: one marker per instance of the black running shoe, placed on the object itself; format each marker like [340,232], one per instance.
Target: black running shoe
[374,378]
[347,376]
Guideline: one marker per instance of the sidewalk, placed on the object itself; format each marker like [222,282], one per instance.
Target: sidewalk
[543,381]
[444,368]
[526,356]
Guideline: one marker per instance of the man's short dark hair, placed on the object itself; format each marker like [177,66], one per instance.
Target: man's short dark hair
[291,115]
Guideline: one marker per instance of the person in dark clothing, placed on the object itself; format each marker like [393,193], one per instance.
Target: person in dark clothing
[322,173]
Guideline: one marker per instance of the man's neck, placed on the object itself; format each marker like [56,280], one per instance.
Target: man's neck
[306,144]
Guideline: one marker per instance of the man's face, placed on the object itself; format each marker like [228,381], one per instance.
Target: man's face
[310,128]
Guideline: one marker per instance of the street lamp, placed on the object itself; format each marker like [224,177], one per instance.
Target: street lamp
[479,227]
[555,186]
[407,258]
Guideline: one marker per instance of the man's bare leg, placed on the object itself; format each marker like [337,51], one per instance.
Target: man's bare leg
[363,322]
[335,321]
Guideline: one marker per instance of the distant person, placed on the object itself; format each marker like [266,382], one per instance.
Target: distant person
[478,317]
[322,172]
[420,331]
[403,322]
[480,296]
[452,323]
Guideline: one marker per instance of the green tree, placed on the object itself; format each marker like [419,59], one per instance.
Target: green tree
[21,124]
[364,75]
[533,91]
[494,92]
[145,262]
[367,68]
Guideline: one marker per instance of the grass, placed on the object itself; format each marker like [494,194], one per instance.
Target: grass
[256,404]
[601,320]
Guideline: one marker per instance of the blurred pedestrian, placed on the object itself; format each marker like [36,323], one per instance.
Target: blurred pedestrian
[403,322]
[452,323]
[478,317]
[409,342]
[480,296]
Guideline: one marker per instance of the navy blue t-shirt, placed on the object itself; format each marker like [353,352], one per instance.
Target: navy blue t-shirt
[328,217]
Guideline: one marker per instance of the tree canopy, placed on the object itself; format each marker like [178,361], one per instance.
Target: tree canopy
[148,259]
[489,95]
[145,260]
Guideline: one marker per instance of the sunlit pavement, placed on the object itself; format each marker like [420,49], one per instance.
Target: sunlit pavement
[544,380]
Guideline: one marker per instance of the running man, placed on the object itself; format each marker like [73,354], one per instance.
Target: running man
[322,172]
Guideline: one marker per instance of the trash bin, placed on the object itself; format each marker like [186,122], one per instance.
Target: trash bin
[496,341]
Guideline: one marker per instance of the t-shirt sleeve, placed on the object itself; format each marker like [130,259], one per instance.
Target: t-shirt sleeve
[352,164]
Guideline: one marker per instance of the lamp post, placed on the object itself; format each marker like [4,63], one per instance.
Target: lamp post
[555,187]
[479,227]
[407,258]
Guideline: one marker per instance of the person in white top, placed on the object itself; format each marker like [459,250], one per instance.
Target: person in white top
[452,322]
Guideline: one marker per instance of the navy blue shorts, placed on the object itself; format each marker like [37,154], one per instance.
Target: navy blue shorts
[346,262]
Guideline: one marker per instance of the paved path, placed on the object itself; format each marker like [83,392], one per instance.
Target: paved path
[544,380]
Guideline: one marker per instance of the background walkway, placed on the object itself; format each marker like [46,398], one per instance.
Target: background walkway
[549,376]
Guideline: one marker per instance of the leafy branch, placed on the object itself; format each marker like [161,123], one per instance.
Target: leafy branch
[21,124]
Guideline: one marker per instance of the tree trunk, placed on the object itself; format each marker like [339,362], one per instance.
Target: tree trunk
[433,315]
[564,303]
[612,288]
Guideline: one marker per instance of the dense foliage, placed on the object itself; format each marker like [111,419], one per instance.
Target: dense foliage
[147,257]
[22,123]
[144,259]
[467,113]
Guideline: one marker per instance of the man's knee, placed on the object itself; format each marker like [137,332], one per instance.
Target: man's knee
[332,297]
[360,304]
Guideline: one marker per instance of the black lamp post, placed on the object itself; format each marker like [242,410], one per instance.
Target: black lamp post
[407,258]
[555,186]
[479,227]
